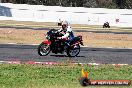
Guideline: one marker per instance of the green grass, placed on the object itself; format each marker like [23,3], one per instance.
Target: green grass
[40,76]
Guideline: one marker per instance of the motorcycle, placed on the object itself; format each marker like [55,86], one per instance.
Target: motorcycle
[106,25]
[56,45]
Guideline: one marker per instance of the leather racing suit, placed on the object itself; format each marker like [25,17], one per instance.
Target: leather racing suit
[68,33]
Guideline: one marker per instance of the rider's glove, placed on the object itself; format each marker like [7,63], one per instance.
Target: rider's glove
[59,38]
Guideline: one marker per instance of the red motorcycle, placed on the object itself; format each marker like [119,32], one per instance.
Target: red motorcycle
[56,45]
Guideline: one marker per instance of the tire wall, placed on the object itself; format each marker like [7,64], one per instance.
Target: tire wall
[75,15]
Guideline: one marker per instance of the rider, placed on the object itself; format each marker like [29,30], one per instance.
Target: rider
[67,32]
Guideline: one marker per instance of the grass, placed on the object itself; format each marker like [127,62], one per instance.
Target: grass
[29,36]
[40,76]
[24,36]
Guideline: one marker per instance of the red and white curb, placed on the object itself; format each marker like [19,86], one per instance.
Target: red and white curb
[28,62]
[100,64]
[54,63]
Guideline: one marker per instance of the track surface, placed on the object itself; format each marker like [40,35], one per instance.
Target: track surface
[10,52]
[19,28]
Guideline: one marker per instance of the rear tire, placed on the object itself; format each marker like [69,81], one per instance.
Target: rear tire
[73,51]
[43,49]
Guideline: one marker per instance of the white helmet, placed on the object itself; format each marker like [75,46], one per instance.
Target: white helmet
[64,24]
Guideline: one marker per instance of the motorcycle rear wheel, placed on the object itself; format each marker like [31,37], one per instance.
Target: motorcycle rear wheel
[73,51]
[43,49]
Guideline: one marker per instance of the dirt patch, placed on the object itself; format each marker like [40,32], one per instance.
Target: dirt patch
[28,36]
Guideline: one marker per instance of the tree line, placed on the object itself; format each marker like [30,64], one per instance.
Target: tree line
[121,4]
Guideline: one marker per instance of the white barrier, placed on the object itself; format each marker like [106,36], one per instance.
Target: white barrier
[75,15]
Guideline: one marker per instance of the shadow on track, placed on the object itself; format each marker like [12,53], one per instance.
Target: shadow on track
[64,56]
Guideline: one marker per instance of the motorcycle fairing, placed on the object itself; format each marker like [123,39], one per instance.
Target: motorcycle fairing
[47,42]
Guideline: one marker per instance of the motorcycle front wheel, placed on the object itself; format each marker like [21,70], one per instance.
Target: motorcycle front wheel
[43,49]
[73,51]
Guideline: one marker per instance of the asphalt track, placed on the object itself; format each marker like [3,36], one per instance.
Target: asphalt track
[12,52]
[108,31]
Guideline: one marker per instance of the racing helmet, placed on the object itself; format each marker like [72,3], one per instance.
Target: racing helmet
[64,24]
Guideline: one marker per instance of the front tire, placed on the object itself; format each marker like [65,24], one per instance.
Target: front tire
[43,49]
[73,51]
